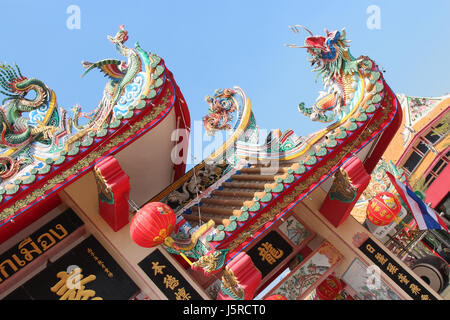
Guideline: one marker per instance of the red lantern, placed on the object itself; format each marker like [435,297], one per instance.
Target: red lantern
[152,224]
[330,288]
[383,208]
[276,297]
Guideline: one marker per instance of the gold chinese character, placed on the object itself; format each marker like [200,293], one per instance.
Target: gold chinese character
[370,248]
[403,278]
[391,268]
[71,286]
[269,253]
[181,294]
[157,268]
[381,258]
[424,297]
[414,289]
[170,282]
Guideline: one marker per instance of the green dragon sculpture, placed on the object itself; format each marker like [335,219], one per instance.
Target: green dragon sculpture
[338,70]
[15,131]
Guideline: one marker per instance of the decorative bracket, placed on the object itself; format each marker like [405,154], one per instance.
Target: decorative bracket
[113,187]
[350,181]
[211,263]
[240,279]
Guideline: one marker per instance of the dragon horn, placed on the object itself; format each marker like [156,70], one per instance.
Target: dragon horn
[307,30]
[296,46]
[294,29]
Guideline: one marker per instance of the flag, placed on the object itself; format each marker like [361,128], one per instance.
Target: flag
[425,216]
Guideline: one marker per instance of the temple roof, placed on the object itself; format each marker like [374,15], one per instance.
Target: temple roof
[247,185]
[43,149]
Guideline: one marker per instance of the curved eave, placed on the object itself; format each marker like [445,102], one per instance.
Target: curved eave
[23,206]
[238,130]
[183,122]
[385,138]
[377,139]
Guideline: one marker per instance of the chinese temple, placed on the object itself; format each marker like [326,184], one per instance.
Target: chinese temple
[99,205]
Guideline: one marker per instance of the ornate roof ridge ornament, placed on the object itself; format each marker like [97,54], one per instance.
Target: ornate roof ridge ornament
[41,146]
[362,107]
[336,66]
[243,201]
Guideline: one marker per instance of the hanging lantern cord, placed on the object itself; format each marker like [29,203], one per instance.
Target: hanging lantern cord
[200,223]
[133,206]
[195,174]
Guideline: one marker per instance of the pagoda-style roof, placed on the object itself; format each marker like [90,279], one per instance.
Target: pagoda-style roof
[236,194]
[43,150]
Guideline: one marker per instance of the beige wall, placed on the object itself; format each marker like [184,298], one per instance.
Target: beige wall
[147,161]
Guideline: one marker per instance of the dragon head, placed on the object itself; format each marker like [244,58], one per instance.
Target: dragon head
[329,54]
[221,108]
[332,60]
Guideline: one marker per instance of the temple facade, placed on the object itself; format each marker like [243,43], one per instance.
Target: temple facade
[102,210]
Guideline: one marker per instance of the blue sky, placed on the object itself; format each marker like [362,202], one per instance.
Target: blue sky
[219,44]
